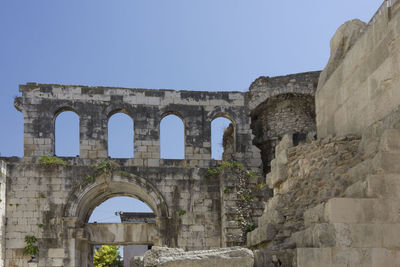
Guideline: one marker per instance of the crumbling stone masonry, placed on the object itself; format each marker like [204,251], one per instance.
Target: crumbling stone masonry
[54,203]
[281,105]
[333,198]
[336,199]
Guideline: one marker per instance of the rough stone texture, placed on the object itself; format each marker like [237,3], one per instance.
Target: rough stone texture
[302,177]
[281,105]
[225,257]
[137,261]
[242,198]
[283,113]
[362,87]
[266,87]
[359,229]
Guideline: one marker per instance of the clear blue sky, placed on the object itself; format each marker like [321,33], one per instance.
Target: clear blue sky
[174,44]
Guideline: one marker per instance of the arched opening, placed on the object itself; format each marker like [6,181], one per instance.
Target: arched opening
[67,134]
[122,210]
[120,136]
[222,138]
[110,210]
[83,201]
[172,138]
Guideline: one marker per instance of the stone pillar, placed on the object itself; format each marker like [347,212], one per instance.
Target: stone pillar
[93,133]
[38,134]
[78,243]
[197,134]
[147,136]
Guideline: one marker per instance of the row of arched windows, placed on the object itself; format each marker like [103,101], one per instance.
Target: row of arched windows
[121,136]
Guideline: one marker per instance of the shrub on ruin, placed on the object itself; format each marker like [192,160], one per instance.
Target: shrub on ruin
[50,161]
[31,249]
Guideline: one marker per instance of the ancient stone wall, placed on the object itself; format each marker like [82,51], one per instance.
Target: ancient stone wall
[335,199]
[281,105]
[53,202]
[242,196]
[41,103]
[266,87]
[279,115]
[359,86]
[302,176]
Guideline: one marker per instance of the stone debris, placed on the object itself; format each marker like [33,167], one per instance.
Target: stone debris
[176,257]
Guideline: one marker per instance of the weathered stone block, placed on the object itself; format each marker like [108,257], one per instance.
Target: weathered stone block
[348,210]
[387,162]
[225,257]
[314,257]
[261,234]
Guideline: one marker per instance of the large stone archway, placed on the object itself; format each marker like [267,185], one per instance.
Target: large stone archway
[81,203]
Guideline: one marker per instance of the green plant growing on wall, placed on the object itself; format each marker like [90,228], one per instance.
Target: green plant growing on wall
[181,212]
[252,175]
[250,227]
[212,172]
[31,249]
[227,190]
[50,161]
[102,167]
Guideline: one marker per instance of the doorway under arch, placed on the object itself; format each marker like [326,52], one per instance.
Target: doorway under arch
[113,212]
[83,202]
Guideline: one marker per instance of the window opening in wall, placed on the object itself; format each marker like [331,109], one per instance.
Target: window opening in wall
[67,134]
[121,210]
[218,127]
[172,138]
[120,136]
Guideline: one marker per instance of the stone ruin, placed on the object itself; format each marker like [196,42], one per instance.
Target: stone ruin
[310,177]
